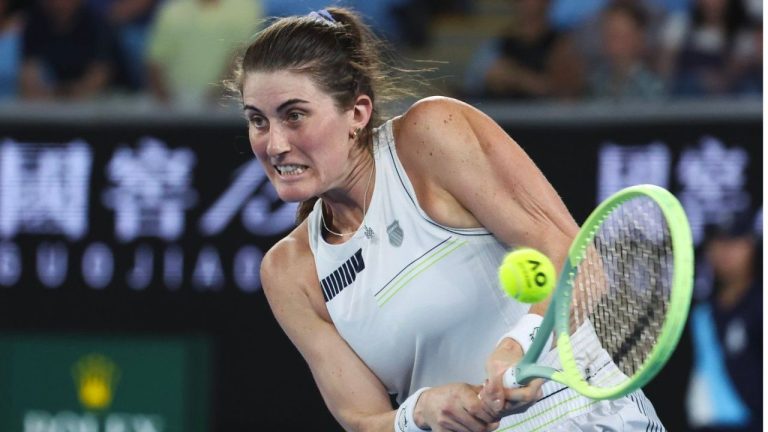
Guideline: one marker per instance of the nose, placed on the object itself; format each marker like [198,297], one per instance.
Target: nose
[278,142]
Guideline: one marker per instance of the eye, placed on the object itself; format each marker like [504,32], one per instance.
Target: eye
[258,121]
[295,116]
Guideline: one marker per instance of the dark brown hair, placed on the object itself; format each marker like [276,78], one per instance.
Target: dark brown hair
[339,53]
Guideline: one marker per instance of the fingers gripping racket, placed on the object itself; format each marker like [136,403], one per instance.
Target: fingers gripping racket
[621,300]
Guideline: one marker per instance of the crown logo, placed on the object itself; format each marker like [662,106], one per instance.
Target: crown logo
[95,377]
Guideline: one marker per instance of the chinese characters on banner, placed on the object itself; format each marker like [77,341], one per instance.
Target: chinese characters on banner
[52,195]
[711,177]
[150,214]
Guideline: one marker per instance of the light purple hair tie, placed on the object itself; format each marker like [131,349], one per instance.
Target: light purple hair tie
[323,16]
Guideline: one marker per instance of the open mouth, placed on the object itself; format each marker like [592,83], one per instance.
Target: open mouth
[290,169]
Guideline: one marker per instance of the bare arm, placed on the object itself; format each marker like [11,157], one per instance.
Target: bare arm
[93,82]
[470,173]
[353,394]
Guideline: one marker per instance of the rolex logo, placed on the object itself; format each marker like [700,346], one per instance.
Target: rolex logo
[95,377]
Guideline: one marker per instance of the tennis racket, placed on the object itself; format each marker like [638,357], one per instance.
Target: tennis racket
[621,300]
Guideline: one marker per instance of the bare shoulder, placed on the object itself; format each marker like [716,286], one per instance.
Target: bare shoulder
[288,274]
[440,140]
[430,116]
[441,129]
[287,252]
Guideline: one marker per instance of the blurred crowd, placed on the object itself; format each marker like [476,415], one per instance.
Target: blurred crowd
[178,51]
[624,49]
[727,323]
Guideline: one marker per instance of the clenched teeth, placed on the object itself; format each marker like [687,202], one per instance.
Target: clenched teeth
[290,169]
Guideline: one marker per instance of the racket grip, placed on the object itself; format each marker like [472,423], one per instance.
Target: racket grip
[510,380]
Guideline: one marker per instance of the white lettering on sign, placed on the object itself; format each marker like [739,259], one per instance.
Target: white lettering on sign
[152,190]
[44,188]
[52,262]
[623,166]
[263,213]
[140,275]
[208,274]
[68,421]
[10,264]
[98,265]
[712,179]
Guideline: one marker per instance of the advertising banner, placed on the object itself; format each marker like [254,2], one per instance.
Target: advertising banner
[92,384]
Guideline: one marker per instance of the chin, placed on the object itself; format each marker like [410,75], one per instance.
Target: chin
[293,195]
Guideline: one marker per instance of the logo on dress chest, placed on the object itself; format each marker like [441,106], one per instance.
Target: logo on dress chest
[395,234]
[340,278]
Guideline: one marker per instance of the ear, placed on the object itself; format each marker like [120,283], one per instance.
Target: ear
[361,111]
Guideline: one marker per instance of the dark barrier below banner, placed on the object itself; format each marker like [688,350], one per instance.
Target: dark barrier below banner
[119,229]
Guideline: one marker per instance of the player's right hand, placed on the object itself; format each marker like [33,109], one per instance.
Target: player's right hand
[454,407]
[497,399]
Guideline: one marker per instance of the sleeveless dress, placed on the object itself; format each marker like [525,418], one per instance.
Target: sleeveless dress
[420,304]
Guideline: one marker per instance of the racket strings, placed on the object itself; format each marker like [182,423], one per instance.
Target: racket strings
[623,285]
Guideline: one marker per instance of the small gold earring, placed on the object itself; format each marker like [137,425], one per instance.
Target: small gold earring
[354,133]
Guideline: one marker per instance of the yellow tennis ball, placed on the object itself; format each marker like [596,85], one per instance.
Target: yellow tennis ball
[527,275]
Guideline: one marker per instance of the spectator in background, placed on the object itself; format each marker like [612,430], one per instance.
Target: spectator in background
[530,60]
[621,72]
[569,14]
[747,71]
[67,52]
[414,18]
[10,48]
[734,254]
[586,24]
[699,47]
[130,20]
[192,46]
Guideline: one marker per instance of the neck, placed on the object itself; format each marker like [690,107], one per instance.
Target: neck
[344,208]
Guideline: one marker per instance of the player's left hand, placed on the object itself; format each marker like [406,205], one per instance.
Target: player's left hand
[498,399]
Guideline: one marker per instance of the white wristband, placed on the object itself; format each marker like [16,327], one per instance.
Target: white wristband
[404,416]
[524,331]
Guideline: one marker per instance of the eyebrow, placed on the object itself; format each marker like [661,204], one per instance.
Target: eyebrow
[282,106]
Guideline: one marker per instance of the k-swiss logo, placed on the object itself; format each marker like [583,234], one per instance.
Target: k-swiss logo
[343,276]
[395,234]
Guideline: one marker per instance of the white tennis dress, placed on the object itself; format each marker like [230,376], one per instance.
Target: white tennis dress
[420,304]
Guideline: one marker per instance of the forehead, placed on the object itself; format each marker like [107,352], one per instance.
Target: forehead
[269,89]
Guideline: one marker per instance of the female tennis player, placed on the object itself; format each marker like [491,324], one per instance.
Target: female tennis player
[388,284]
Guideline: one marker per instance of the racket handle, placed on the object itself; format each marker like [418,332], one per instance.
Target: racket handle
[509,379]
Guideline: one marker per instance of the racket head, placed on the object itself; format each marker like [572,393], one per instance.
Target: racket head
[627,287]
